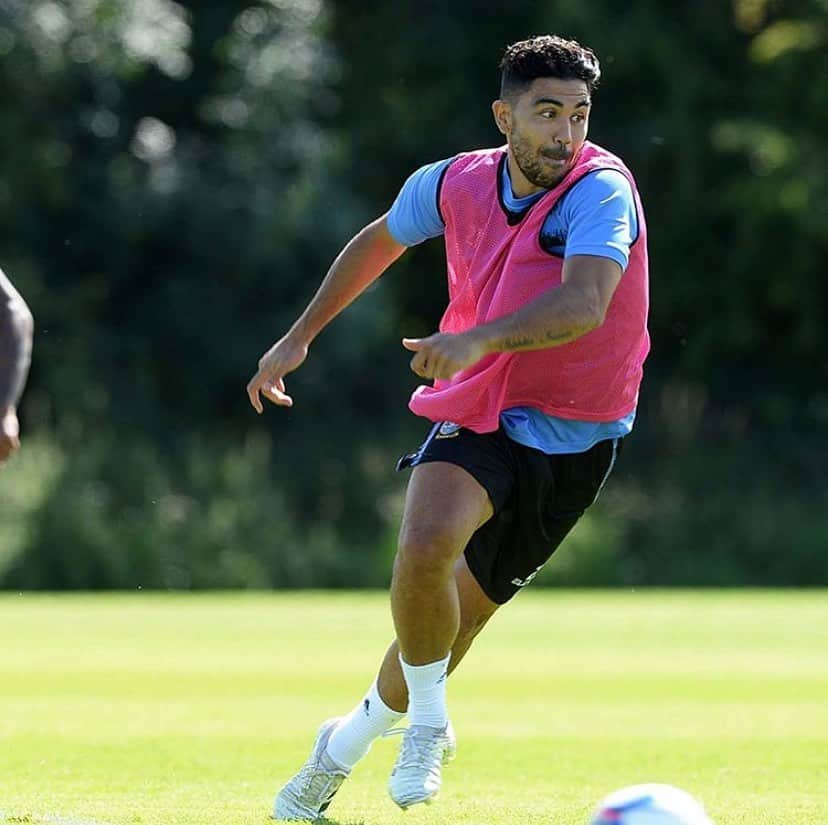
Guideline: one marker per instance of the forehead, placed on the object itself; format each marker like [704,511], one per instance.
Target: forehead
[567,92]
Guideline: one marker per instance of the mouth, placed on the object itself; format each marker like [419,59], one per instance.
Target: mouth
[557,159]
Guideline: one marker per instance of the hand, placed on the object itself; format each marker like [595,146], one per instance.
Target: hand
[9,433]
[443,354]
[283,357]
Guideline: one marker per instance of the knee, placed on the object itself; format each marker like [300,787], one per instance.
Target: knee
[427,548]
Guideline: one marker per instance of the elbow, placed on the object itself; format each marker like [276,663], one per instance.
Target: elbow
[596,318]
[587,307]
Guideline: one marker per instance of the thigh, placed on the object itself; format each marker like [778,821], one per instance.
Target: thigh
[487,457]
[460,479]
[443,501]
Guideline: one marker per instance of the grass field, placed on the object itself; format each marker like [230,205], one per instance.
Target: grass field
[185,709]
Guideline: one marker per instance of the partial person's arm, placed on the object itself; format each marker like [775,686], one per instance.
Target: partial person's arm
[366,256]
[16,331]
[557,317]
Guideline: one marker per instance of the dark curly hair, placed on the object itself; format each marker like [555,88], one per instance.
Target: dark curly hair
[547,56]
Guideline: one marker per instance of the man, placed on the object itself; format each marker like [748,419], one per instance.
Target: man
[16,329]
[536,372]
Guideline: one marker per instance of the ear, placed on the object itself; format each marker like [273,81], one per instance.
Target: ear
[502,112]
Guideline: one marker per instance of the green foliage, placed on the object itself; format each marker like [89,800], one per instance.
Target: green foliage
[127,514]
[24,488]
[750,514]
[175,177]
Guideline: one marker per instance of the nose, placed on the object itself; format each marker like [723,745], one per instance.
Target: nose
[564,136]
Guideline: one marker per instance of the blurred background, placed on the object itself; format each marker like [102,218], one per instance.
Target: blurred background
[175,178]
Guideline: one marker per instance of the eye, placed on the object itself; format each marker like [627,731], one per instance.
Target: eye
[578,118]
[549,114]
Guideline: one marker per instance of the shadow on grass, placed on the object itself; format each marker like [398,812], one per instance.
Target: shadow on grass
[44,819]
[326,821]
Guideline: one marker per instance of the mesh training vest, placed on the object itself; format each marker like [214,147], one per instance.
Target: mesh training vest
[496,265]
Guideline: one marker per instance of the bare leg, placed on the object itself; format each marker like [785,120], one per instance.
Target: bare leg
[475,610]
[444,506]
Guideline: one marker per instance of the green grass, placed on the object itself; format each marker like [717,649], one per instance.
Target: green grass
[185,709]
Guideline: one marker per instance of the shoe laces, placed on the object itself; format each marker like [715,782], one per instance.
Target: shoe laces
[319,782]
[421,745]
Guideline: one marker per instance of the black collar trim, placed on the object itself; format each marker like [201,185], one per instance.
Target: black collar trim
[512,218]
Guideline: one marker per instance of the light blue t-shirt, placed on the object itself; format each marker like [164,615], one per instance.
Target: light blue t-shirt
[597,216]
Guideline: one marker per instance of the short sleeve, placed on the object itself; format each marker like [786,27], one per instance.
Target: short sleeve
[601,215]
[415,214]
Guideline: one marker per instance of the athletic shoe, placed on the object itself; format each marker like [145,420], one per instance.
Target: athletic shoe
[417,773]
[307,795]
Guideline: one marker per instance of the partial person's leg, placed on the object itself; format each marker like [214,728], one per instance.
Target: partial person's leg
[459,505]
[387,700]
[476,608]
[444,506]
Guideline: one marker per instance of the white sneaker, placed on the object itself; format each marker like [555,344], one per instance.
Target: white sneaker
[307,795]
[417,773]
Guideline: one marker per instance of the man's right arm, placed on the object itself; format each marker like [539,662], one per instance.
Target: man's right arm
[365,257]
[16,332]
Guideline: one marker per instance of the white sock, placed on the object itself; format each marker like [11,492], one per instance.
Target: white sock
[427,692]
[355,734]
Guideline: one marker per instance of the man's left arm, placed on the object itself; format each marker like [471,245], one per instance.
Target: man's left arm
[562,314]
[556,317]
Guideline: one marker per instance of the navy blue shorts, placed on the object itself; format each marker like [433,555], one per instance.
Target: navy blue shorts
[537,499]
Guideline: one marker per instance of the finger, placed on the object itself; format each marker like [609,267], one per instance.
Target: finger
[419,364]
[253,393]
[412,344]
[275,392]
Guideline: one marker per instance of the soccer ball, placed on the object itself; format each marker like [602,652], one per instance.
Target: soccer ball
[650,805]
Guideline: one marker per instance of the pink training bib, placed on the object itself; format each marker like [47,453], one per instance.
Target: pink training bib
[496,265]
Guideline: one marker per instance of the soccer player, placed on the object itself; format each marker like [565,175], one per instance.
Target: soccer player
[16,329]
[536,370]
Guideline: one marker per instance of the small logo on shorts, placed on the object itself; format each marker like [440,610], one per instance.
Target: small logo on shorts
[518,582]
[448,429]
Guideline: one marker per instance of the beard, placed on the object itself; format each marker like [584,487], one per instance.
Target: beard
[535,163]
